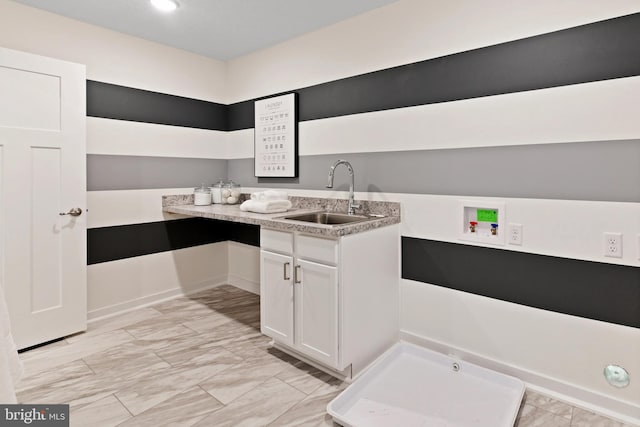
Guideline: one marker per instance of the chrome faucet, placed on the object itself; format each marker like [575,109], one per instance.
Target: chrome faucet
[352,204]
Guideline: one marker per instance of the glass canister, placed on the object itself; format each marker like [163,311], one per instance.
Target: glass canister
[202,196]
[216,191]
[231,193]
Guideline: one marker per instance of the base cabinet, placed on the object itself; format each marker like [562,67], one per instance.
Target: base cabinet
[326,299]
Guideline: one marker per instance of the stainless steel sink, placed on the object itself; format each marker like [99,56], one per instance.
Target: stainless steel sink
[328,218]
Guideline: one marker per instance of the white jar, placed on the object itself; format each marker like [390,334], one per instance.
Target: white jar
[202,196]
[216,191]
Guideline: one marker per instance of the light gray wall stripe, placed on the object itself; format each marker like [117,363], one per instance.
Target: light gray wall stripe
[598,171]
[108,172]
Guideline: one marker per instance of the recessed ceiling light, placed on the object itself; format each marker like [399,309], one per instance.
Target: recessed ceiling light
[165,5]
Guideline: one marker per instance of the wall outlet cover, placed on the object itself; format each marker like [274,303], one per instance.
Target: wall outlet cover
[612,245]
[514,236]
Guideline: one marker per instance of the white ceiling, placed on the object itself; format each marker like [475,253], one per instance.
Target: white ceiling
[221,29]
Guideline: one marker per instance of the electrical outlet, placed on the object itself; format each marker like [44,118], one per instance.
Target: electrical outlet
[613,245]
[515,234]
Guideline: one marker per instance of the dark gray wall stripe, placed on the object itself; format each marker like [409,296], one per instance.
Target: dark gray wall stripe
[601,171]
[108,172]
[606,292]
[111,101]
[598,51]
[126,241]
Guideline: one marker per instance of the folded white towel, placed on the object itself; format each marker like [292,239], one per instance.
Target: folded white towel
[264,196]
[10,364]
[271,206]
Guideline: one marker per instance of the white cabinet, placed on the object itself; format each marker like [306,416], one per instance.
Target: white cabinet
[316,311]
[276,302]
[331,300]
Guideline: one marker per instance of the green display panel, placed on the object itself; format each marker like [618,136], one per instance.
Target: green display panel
[487,215]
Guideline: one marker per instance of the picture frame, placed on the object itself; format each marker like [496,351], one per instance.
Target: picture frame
[276,137]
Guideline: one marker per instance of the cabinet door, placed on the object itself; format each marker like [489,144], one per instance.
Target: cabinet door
[317,311]
[276,296]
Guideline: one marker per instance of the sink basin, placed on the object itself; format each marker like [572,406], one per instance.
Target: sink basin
[328,218]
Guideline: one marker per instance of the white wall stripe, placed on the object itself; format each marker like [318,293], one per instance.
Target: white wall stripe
[605,110]
[122,207]
[120,137]
[240,144]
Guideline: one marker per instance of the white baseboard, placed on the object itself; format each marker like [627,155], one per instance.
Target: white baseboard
[123,307]
[244,284]
[576,396]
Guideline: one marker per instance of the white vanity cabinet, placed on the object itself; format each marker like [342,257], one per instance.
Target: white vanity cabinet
[333,301]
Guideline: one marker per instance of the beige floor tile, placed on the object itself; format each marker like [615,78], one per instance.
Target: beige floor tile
[151,326]
[241,378]
[36,388]
[182,410]
[124,359]
[33,353]
[76,392]
[64,354]
[304,377]
[584,418]
[106,412]
[149,391]
[531,416]
[204,353]
[548,404]
[311,411]
[248,345]
[116,322]
[258,407]
[66,372]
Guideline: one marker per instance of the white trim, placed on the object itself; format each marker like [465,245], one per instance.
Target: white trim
[617,409]
[244,284]
[124,307]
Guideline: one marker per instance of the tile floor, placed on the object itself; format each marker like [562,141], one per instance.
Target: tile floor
[201,361]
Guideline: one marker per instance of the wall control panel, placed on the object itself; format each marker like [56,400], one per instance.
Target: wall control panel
[482,221]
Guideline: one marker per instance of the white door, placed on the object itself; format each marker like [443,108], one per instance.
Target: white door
[276,296]
[317,311]
[42,174]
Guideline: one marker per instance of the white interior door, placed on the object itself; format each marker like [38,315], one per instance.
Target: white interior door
[42,174]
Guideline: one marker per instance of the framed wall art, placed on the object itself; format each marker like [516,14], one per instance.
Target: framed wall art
[276,137]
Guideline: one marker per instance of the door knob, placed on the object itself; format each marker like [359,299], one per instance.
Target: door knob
[72,212]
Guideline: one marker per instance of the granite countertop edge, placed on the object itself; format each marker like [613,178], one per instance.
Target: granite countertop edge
[176,205]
